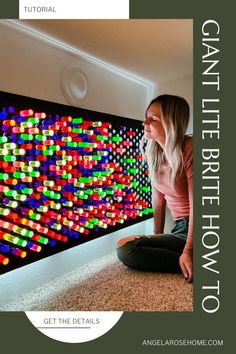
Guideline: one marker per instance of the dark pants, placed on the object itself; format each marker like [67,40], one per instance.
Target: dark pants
[158,253]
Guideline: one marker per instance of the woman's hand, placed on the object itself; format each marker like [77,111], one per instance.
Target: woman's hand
[186,265]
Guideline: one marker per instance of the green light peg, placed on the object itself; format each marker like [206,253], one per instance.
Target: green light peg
[145,189]
[29,233]
[4,152]
[27,136]
[26,124]
[27,190]
[97,124]
[49,193]
[35,216]
[97,174]
[4,176]
[101,137]
[26,168]
[48,132]
[72,144]
[19,152]
[21,243]
[129,160]
[34,163]
[3,139]
[79,131]
[34,174]
[19,175]
[116,138]
[40,137]
[33,120]
[133,170]
[10,146]
[4,211]
[77,120]
[84,179]
[20,197]
[67,176]
[47,152]
[66,138]
[9,158]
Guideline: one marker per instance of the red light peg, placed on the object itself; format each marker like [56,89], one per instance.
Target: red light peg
[56,188]
[60,143]
[10,169]
[34,247]
[62,238]
[131,133]
[146,172]
[48,142]
[66,129]
[4,189]
[9,123]
[42,157]
[3,164]
[18,130]
[66,119]
[2,233]
[4,260]
[54,216]
[61,123]
[19,253]
[54,168]
[12,181]
[120,150]
[127,143]
[120,193]
[61,182]
[106,125]
[72,153]
[45,219]
[74,217]
[42,178]
[15,217]
[42,229]
[109,222]
[86,124]
[40,115]
[36,196]
[27,113]
[138,157]
[27,146]
[86,232]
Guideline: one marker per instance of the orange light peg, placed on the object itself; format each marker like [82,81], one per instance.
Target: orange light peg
[4,260]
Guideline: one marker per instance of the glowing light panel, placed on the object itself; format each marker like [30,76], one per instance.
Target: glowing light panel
[66,176]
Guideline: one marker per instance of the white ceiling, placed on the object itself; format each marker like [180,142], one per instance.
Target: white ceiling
[157,50]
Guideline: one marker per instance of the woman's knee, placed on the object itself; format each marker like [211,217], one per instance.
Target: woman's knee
[124,240]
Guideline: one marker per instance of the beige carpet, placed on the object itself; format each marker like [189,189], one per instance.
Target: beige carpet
[112,288]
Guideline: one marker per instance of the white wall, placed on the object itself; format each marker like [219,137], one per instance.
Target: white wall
[182,87]
[35,65]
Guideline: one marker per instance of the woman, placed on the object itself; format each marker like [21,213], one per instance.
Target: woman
[169,154]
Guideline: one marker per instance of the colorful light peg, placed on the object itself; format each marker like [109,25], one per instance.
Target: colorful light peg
[5,248]
[19,253]
[26,112]
[4,260]
[40,115]
[3,139]
[34,247]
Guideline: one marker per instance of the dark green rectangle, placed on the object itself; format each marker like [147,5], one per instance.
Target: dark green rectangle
[9,9]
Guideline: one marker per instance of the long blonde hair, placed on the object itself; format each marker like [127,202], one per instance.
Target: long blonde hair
[175,119]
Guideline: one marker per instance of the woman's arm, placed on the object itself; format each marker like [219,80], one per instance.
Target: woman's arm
[186,259]
[159,208]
